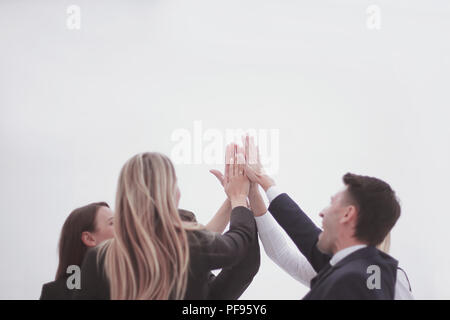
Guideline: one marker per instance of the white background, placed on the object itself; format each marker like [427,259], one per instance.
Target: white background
[76,104]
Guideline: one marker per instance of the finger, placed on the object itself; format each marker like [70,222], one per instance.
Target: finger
[232,168]
[246,146]
[229,153]
[257,155]
[241,163]
[240,160]
[252,158]
[218,175]
[240,157]
[258,159]
[249,172]
[249,148]
[228,157]
[235,173]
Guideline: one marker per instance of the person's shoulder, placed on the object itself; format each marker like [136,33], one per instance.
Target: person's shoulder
[47,290]
[402,275]
[90,256]
[49,285]
[370,256]
[200,237]
[355,270]
[187,215]
[94,259]
[92,252]
[98,252]
[403,280]
[359,271]
[55,284]
[54,290]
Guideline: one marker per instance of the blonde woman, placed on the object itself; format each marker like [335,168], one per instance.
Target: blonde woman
[157,255]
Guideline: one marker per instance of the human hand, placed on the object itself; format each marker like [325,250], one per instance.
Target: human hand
[229,154]
[219,176]
[253,167]
[236,183]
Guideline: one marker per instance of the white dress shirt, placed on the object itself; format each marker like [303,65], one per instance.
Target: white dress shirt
[341,254]
[291,260]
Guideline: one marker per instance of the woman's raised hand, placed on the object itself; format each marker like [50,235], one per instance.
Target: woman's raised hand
[236,183]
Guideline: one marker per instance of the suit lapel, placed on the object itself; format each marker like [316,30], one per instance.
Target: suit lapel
[321,275]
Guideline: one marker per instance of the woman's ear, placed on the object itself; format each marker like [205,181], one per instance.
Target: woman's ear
[88,239]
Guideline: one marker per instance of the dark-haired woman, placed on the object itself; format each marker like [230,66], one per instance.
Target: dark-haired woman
[84,228]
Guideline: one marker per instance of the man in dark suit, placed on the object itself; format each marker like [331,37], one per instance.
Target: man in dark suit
[344,254]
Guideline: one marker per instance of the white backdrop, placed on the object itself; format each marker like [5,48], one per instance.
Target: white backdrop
[76,104]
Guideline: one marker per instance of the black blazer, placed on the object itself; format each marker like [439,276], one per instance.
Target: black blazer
[348,278]
[56,290]
[236,252]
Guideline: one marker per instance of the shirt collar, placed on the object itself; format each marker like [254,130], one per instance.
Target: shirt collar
[341,254]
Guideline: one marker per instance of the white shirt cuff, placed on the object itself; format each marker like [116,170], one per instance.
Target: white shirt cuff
[272,193]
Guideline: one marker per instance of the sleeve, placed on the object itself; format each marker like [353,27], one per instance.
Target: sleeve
[94,285]
[227,250]
[272,193]
[303,232]
[402,286]
[186,215]
[281,252]
[231,282]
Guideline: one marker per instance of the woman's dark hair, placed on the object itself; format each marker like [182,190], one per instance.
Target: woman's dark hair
[378,207]
[71,247]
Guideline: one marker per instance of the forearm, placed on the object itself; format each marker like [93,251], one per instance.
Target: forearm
[228,249]
[231,282]
[220,220]
[281,252]
[240,201]
[299,227]
[256,201]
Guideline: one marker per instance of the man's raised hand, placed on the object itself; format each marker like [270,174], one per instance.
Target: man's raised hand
[253,168]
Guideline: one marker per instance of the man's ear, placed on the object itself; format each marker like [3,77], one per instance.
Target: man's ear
[350,215]
[88,239]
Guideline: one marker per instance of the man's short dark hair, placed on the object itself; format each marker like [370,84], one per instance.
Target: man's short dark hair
[377,204]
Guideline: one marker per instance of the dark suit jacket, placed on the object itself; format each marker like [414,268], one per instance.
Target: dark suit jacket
[236,252]
[56,290]
[348,278]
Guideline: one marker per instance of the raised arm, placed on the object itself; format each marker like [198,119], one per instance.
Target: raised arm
[287,213]
[275,245]
[228,249]
[299,228]
[221,219]
[281,252]
[232,281]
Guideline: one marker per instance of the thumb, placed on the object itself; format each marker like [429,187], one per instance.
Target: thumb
[218,175]
[250,173]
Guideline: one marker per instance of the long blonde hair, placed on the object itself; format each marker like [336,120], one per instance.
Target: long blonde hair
[149,256]
[385,246]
